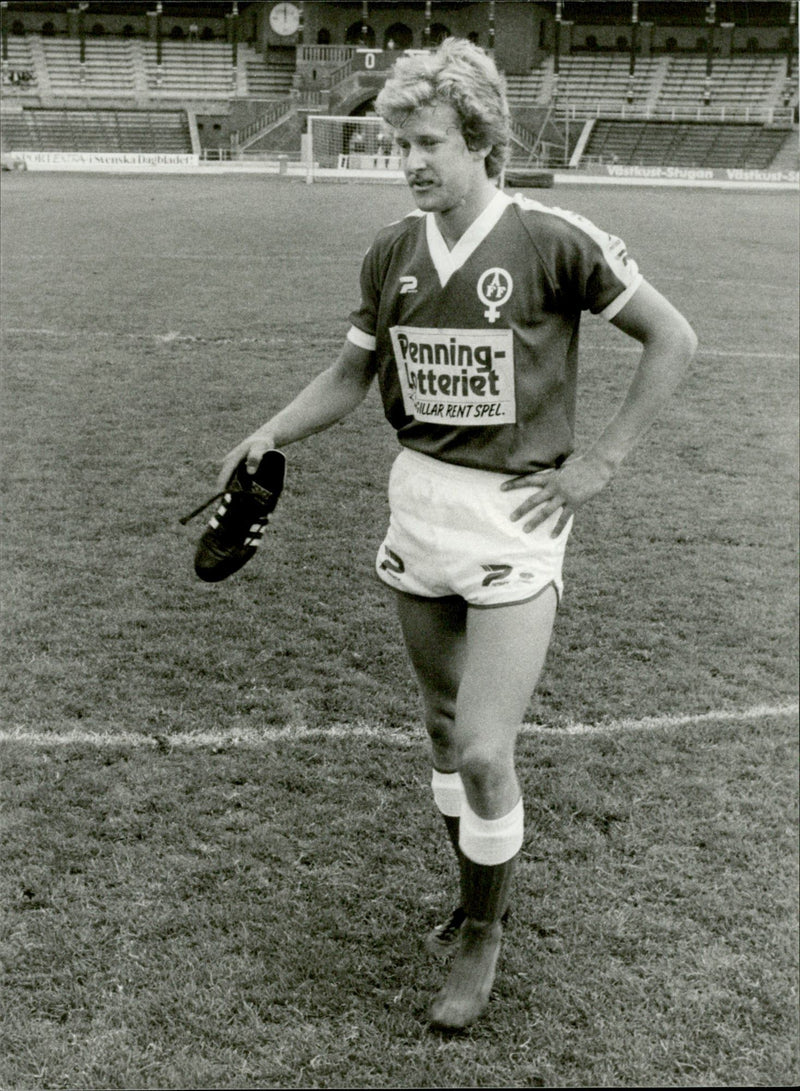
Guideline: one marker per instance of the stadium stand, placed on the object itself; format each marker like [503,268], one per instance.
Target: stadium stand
[738,87]
[532,89]
[683,144]
[588,84]
[255,100]
[128,68]
[108,69]
[194,69]
[81,130]
[271,79]
[19,70]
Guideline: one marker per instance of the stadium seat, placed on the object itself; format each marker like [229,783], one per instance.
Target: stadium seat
[19,70]
[189,69]
[684,144]
[81,130]
[108,67]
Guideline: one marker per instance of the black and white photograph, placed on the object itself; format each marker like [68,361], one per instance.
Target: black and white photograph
[400,407]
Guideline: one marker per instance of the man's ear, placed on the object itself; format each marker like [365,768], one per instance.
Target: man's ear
[479,152]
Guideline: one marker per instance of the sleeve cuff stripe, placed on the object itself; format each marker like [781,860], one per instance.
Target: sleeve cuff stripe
[360,339]
[616,304]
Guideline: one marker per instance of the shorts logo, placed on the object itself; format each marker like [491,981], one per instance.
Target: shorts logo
[497,573]
[392,563]
[494,289]
[408,284]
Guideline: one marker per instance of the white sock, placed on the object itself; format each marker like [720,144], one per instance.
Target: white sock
[491,840]
[448,793]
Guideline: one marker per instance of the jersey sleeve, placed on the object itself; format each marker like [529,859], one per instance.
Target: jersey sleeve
[600,271]
[364,320]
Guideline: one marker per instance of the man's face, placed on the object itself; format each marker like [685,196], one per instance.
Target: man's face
[439,167]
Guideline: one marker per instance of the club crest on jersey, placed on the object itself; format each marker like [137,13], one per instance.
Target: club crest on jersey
[408,284]
[494,289]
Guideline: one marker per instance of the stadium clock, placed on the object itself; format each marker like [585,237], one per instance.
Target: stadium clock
[285,19]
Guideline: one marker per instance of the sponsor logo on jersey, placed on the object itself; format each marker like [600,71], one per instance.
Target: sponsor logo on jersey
[408,284]
[618,250]
[450,376]
[494,289]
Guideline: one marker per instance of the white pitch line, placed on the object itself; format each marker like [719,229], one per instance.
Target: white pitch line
[168,338]
[655,723]
[172,337]
[747,353]
[361,730]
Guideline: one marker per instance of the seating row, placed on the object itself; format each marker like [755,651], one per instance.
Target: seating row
[96,131]
[585,83]
[124,67]
[588,85]
[624,142]
[683,144]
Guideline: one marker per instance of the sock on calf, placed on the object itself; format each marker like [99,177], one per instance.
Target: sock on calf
[489,848]
[449,797]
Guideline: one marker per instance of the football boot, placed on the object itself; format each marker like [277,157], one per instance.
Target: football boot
[236,528]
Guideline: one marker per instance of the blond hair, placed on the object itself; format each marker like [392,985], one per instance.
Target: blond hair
[460,75]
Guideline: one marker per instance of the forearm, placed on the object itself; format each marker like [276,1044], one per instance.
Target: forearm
[668,345]
[332,395]
[660,370]
[325,400]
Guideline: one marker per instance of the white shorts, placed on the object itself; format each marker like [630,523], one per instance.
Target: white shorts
[450,533]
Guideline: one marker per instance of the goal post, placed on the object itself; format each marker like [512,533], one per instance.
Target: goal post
[342,147]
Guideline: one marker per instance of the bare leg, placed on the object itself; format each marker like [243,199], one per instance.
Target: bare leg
[492,661]
[506,650]
[435,634]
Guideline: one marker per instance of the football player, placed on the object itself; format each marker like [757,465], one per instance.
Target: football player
[468,319]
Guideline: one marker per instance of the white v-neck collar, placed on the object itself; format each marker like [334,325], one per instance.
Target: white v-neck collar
[446,262]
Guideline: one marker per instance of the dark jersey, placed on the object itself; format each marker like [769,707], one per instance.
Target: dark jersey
[477,347]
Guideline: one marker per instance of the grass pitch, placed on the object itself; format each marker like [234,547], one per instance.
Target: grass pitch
[232,893]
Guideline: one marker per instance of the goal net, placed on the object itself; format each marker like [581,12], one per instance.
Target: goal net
[349,146]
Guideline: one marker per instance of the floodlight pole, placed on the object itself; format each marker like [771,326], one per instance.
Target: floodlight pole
[491,26]
[233,18]
[82,36]
[634,43]
[557,43]
[426,41]
[791,48]
[4,29]
[711,19]
[158,40]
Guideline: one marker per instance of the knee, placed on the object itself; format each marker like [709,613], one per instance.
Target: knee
[486,769]
[440,721]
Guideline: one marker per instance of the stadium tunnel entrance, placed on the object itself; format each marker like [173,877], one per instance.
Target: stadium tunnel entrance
[360,104]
